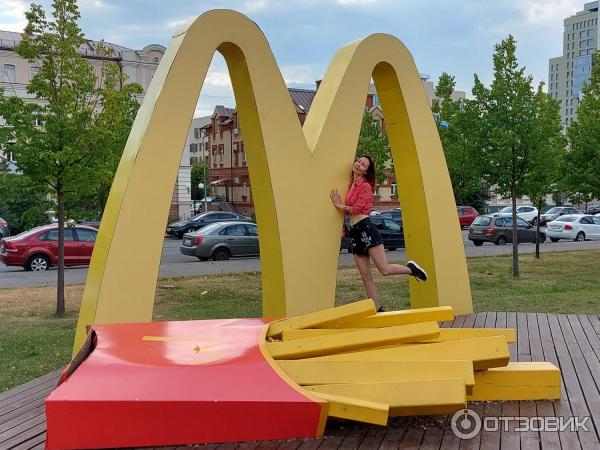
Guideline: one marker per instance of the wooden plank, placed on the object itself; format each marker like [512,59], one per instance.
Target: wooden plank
[335,432]
[595,321]
[449,439]
[473,443]
[9,434]
[353,439]
[36,443]
[469,321]
[535,343]
[500,320]
[530,440]
[577,399]
[30,384]
[21,418]
[432,439]
[562,407]
[373,438]
[21,409]
[395,318]
[459,321]
[549,440]
[509,438]
[24,436]
[351,341]
[490,440]
[307,372]
[590,333]
[326,317]
[484,352]
[511,322]
[523,350]
[490,320]
[36,391]
[412,438]
[480,320]
[310,444]
[517,381]
[440,396]
[396,431]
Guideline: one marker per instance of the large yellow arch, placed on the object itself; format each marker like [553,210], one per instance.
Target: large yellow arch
[292,170]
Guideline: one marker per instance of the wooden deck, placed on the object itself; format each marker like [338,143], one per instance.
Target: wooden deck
[571,342]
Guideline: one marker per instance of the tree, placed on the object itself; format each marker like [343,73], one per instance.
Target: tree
[456,122]
[546,158]
[374,142]
[199,175]
[23,203]
[582,162]
[509,128]
[71,138]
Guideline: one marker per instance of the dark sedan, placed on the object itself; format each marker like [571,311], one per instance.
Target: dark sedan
[498,230]
[390,230]
[178,229]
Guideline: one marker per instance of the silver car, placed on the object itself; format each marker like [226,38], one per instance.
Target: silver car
[221,241]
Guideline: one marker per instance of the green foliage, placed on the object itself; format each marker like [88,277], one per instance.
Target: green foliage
[72,138]
[22,203]
[516,127]
[373,141]
[457,124]
[582,166]
[199,175]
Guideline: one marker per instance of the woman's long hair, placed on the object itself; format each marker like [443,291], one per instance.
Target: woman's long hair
[370,175]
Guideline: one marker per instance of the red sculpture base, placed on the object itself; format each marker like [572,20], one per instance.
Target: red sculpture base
[174,383]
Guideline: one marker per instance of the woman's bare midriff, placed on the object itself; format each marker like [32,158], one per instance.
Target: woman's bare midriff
[357,218]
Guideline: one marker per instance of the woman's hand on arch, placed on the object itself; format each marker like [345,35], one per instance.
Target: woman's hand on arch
[336,198]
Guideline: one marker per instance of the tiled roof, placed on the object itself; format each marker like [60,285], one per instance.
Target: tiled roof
[302,98]
[221,111]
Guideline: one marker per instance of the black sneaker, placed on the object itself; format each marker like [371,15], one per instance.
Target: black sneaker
[380,309]
[417,271]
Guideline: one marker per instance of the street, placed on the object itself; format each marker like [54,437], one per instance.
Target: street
[174,264]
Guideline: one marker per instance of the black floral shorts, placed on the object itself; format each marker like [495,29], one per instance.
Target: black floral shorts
[363,236]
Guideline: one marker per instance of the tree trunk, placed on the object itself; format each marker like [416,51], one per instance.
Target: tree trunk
[537,231]
[60,286]
[515,241]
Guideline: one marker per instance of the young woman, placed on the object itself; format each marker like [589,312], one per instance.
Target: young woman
[365,240]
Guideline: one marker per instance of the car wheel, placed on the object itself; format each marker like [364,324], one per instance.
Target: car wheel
[220,254]
[477,243]
[38,263]
[554,239]
[580,236]
[501,240]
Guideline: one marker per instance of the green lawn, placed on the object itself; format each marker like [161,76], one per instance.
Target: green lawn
[34,342]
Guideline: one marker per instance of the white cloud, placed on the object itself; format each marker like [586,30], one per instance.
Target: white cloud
[95,5]
[548,11]
[12,15]
[298,74]
[175,25]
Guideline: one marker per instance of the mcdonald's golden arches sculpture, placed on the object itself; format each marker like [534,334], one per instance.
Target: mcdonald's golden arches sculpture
[298,276]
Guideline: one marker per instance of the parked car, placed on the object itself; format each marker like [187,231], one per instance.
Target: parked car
[527,213]
[498,230]
[466,215]
[178,229]
[391,232]
[555,213]
[4,230]
[594,210]
[394,214]
[221,241]
[37,249]
[578,227]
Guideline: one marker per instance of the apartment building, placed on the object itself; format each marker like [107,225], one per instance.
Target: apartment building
[138,65]
[568,73]
[228,171]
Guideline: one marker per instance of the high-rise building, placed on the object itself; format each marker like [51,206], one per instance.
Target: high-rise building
[568,73]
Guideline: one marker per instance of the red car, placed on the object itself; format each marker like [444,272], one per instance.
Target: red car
[466,215]
[37,249]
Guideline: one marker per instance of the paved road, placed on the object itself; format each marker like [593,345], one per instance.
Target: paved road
[174,263]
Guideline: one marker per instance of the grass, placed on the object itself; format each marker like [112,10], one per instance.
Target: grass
[33,341]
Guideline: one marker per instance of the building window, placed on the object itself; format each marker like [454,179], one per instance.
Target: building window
[221,151]
[10,73]
[394,188]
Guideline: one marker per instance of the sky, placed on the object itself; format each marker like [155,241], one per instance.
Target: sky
[455,36]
